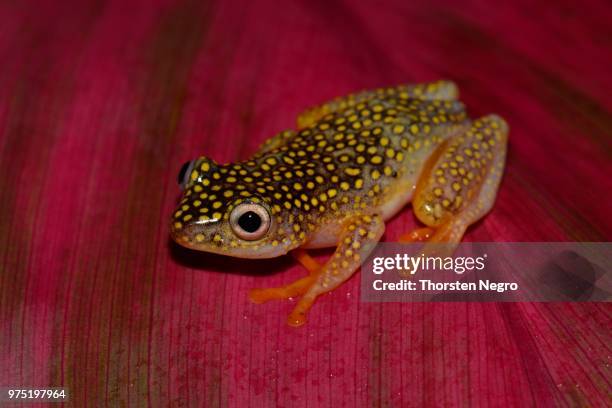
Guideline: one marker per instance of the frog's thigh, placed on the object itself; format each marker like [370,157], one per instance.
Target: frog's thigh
[443,90]
[460,181]
[359,236]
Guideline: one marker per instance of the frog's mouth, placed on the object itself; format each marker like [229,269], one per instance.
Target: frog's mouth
[213,238]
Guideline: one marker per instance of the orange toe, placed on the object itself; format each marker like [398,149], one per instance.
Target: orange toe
[298,316]
[417,235]
[261,295]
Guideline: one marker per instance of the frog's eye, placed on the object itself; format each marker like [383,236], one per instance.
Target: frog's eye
[250,221]
[184,173]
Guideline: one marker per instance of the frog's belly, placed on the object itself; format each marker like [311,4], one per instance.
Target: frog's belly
[327,235]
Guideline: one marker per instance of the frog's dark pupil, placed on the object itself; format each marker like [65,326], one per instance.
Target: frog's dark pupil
[181,175]
[249,221]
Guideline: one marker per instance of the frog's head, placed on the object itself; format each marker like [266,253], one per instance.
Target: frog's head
[226,209]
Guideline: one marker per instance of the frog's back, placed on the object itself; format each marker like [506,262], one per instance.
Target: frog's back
[356,158]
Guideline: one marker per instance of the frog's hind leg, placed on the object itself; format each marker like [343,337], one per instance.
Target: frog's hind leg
[359,236]
[441,90]
[459,182]
[261,295]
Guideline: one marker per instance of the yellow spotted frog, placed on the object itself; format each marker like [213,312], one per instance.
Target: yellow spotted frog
[352,164]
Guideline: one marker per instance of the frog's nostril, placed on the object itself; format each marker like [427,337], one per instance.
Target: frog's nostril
[183,173]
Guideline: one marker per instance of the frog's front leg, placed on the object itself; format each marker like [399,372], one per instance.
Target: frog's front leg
[359,235]
[459,182]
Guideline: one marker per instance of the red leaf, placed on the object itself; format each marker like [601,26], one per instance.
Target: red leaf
[101,103]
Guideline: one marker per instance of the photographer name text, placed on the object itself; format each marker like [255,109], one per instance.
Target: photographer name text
[427,285]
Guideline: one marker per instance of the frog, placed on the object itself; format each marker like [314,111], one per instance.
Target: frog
[351,164]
